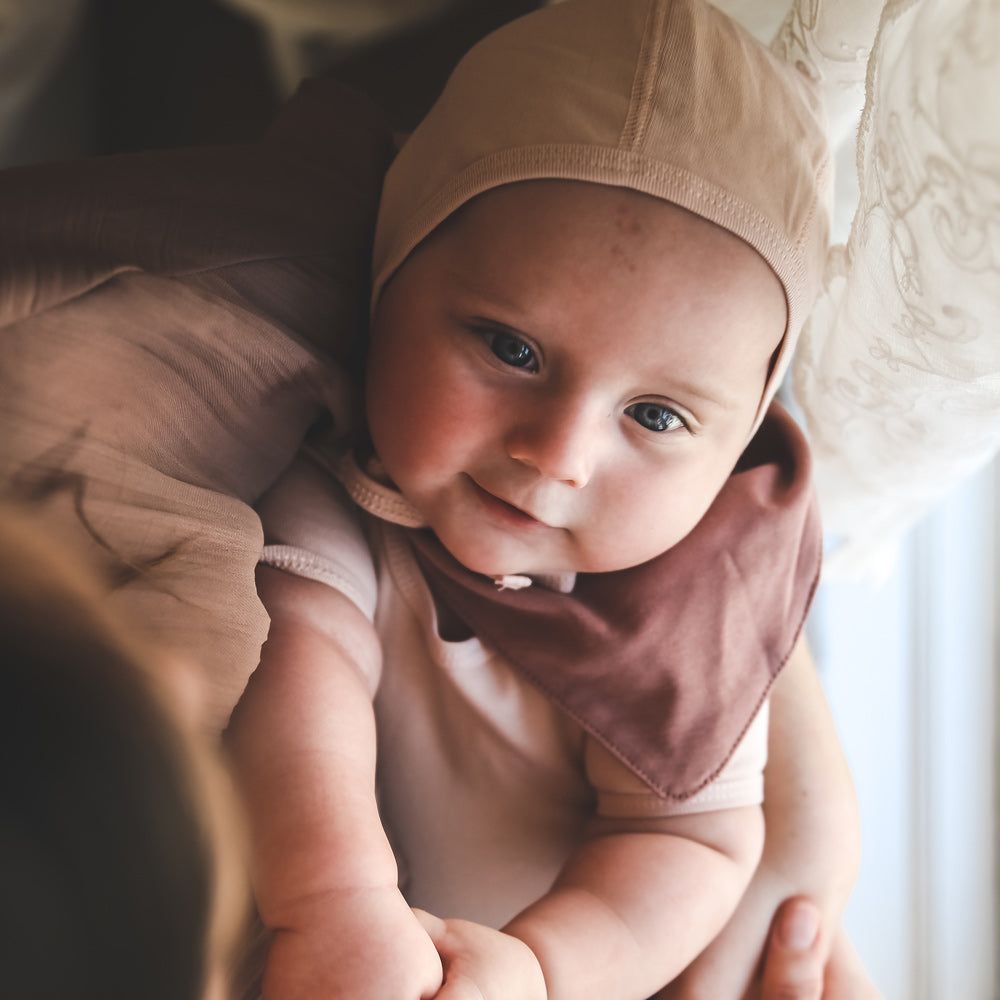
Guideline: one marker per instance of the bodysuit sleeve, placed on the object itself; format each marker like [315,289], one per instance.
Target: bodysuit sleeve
[621,794]
[313,530]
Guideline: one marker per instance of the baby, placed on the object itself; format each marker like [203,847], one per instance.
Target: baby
[552,591]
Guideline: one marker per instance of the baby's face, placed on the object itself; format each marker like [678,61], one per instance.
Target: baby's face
[563,376]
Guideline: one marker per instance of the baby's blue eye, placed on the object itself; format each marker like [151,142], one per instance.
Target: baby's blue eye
[511,350]
[655,416]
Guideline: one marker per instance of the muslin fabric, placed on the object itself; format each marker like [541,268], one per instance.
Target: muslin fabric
[171,324]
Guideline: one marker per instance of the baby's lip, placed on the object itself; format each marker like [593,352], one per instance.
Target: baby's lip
[522,510]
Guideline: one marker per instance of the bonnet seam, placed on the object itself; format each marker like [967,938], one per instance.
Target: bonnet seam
[644,80]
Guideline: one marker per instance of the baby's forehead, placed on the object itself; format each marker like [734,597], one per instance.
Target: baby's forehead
[537,256]
[541,226]
[590,213]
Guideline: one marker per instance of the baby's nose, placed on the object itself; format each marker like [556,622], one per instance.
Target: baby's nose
[560,440]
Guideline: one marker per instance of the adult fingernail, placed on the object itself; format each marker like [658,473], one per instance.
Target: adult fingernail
[799,927]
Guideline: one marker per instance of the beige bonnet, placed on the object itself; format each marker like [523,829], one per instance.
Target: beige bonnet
[668,97]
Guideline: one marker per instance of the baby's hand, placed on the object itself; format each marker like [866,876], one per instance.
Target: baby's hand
[483,964]
[358,944]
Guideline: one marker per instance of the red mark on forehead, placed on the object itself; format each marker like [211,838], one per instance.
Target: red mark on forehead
[629,229]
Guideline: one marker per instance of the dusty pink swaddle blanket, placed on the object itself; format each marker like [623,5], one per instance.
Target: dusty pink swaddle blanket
[172,323]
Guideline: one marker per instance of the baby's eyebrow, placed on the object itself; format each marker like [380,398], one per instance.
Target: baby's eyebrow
[682,390]
[487,296]
[495,325]
[718,399]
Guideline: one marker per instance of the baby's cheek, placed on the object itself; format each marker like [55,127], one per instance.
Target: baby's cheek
[420,439]
[452,416]
[643,524]
[396,415]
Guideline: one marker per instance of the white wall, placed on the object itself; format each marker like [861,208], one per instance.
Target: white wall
[909,668]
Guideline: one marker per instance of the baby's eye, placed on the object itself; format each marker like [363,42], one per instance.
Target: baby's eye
[511,350]
[655,416]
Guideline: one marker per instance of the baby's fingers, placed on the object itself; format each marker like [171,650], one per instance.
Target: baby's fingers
[456,986]
[481,963]
[436,927]
[459,988]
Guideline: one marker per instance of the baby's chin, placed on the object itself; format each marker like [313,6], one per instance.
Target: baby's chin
[493,558]
[495,566]
[487,564]
[496,569]
[500,570]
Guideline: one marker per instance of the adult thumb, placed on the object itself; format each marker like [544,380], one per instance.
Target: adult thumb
[794,960]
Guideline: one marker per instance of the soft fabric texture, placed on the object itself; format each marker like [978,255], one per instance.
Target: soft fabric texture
[667,97]
[172,323]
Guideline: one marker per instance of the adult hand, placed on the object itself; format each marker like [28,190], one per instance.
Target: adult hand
[793,966]
[798,962]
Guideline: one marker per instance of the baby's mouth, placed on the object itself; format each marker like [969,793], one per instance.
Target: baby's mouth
[508,512]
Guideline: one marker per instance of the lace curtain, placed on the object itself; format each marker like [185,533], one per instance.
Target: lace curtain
[898,371]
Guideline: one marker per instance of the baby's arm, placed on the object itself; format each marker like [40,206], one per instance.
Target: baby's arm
[638,900]
[811,847]
[631,908]
[303,740]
